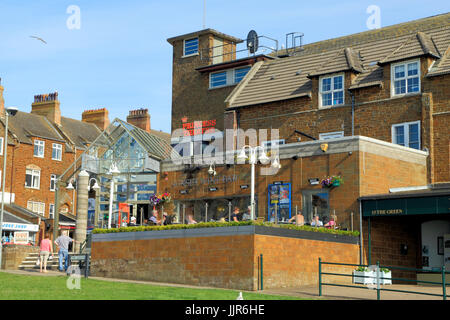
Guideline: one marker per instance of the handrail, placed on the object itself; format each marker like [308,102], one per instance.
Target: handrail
[379,276]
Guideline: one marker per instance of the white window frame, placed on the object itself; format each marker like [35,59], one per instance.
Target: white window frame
[34,173]
[40,205]
[2,141]
[332,91]
[39,143]
[51,210]
[406,130]
[57,147]
[331,135]
[53,178]
[405,64]
[230,77]
[184,48]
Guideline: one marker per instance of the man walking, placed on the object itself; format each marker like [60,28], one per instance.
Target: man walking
[63,253]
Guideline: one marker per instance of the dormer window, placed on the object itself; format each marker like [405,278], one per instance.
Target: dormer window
[190,47]
[331,90]
[405,78]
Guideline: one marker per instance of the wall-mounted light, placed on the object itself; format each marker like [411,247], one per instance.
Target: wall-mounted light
[324,147]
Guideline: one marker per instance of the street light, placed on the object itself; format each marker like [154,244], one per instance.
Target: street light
[95,186]
[253,159]
[113,170]
[10,111]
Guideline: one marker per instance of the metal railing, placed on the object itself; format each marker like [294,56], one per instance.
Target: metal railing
[378,279]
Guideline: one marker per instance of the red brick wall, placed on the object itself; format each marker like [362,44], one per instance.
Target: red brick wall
[19,157]
[224,262]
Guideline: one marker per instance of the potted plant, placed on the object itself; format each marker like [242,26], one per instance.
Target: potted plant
[363,275]
[387,275]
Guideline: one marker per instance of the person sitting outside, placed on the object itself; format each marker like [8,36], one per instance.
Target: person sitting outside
[316,222]
[331,224]
[132,221]
[190,219]
[298,219]
[235,215]
[248,214]
[154,218]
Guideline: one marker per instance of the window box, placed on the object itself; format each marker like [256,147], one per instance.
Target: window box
[387,275]
[364,277]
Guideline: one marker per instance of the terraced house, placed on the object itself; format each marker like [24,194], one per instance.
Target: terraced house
[41,145]
[372,108]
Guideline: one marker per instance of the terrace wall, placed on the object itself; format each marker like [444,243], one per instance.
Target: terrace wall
[221,257]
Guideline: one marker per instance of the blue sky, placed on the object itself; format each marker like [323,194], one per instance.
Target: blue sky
[120,59]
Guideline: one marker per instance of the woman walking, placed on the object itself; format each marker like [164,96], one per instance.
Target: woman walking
[46,251]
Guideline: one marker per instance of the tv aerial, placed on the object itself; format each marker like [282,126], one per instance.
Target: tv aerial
[252,41]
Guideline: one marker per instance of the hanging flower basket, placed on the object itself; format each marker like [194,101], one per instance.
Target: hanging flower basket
[162,199]
[333,181]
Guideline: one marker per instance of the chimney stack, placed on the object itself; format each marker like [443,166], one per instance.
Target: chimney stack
[2,101]
[140,118]
[99,117]
[47,105]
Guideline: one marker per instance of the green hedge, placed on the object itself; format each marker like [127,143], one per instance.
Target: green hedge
[226,224]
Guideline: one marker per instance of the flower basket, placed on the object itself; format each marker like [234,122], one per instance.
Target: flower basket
[333,181]
[387,275]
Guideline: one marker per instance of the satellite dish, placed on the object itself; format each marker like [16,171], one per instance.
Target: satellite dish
[252,41]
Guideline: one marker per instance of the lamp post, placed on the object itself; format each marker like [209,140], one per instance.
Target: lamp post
[11,111]
[253,159]
[113,170]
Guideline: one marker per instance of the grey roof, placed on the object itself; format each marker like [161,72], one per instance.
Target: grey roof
[78,132]
[12,207]
[287,78]
[27,125]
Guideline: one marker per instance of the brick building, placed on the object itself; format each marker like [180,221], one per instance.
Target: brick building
[371,107]
[41,145]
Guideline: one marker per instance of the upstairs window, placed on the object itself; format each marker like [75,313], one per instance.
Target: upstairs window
[228,77]
[240,73]
[218,79]
[56,151]
[405,78]
[32,178]
[39,148]
[331,135]
[1,146]
[53,182]
[51,210]
[37,207]
[331,91]
[190,47]
[407,134]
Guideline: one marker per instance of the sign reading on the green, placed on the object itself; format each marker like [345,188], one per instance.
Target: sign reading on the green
[406,206]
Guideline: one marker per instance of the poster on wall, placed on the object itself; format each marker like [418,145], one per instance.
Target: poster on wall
[91,213]
[20,237]
[279,202]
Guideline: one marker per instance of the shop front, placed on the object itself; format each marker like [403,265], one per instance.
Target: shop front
[416,225]
[16,230]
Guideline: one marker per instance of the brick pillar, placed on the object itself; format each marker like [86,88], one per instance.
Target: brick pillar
[82,208]
[2,101]
[427,132]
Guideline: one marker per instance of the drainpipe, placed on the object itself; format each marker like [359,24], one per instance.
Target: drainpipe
[353,111]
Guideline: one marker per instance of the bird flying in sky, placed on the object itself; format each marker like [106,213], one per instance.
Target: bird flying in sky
[40,39]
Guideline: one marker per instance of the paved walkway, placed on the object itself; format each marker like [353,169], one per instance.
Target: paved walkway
[310,292]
